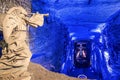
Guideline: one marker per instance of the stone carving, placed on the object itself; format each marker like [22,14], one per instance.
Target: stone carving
[16,54]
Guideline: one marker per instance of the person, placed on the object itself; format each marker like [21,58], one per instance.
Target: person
[16,55]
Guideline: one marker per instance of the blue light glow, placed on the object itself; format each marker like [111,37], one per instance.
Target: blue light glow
[72,20]
[71,34]
[106,54]
[74,38]
[99,28]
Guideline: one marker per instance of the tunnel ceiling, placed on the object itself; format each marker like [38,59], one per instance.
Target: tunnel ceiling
[80,16]
[81,12]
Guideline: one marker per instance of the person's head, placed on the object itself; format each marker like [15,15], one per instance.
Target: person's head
[19,11]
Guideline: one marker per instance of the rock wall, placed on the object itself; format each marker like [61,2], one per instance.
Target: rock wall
[112,32]
[106,51]
[79,12]
[100,57]
[47,45]
[48,42]
[79,16]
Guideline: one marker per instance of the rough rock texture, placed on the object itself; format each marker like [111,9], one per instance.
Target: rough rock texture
[47,42]
[112,33]
[78,12]
[79,18]
[106,51]
[40,73]
[47,45]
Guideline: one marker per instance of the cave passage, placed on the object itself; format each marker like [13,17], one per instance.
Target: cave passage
[78,63]
[80,38]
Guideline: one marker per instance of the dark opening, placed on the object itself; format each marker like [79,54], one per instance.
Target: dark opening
[82,54]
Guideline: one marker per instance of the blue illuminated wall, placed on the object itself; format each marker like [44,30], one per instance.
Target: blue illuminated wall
[105,48]
[48,42]
[69,20]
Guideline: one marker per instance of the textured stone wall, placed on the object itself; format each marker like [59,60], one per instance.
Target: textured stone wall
[100,57]
[47,42]
[80,16]
[80,12]
[106,49]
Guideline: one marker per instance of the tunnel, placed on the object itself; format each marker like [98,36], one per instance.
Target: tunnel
[80,38]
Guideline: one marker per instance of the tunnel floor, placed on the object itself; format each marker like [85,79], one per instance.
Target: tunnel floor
[89,72]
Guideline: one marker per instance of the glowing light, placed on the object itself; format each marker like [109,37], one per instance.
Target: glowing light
[74,38]
[100,39]
[106,54]
[100,53]
[71,34]
[99,28]
[92,37]
[96,30]
[63,66]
